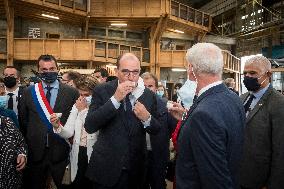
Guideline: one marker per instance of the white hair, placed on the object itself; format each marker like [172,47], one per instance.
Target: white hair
[205,58]
[262,62]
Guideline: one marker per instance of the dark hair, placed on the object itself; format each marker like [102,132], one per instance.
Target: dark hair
[13,67]
[148,75]
[47,58]
[103,71]
[86,83]
[72,75]
[179,85]
[1,80]
[110,78]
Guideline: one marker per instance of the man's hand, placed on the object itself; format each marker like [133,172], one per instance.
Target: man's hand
[54,120]
[141,112]
[177,111]
[21,162]
[123,89]
[81,103]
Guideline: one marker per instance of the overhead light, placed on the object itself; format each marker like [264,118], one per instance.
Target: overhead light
[111,66]
[50,16]
[178,31]
[118,24]
[178,70]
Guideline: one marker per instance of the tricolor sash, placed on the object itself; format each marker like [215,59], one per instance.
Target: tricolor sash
[43,107]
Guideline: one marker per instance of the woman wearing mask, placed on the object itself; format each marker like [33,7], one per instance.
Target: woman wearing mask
[162,92]
[82,141]
[3,105]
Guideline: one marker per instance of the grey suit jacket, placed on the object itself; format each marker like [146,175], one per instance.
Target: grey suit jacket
[35,131]
[263,160]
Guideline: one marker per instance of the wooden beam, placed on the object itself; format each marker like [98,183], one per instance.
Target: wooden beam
[10,32]
[87,27]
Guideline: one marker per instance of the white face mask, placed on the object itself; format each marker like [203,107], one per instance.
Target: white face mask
[89,100]
[186,93]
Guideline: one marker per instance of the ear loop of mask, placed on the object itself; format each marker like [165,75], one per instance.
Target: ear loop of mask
[261,77]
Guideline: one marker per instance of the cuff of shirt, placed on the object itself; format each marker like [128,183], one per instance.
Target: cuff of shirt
[147,122]
[57,130]
[115,103]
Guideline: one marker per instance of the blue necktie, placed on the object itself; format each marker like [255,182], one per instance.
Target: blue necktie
[48,94]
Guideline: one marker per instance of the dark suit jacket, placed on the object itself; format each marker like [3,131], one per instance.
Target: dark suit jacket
[35,130]
[160,141]
[263,160]
[210,142]
[117,145]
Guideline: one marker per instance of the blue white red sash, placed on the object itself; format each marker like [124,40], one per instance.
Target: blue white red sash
[43,107]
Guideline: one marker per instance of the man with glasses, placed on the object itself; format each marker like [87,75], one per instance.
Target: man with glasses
[48,152]
[122,111]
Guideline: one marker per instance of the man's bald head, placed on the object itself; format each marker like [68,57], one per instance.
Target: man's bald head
[126,57]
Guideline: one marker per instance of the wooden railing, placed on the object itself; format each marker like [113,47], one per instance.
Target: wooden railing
[176,58]
[75,49]
[190,14]
[73,4]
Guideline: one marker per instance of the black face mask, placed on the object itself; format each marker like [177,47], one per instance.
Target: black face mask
[251,83]
[10,82]
[48,77]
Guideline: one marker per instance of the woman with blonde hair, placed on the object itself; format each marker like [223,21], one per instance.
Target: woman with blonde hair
[82,141]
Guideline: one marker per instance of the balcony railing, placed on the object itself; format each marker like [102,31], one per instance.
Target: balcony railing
[74,4]
[176,58]
[75,49]
[188,13]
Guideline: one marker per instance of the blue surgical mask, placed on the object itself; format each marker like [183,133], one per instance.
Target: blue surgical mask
[89,100]
[3,101]
[160,93]
[186,93]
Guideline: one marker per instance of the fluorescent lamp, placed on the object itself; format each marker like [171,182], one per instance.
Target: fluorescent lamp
[178,31]
[178,70]
[50,16]
[111,66]
[118,24]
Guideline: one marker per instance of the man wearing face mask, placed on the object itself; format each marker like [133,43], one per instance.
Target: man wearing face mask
[48,152]
[14,92]
[210,139]
[262,164]
[122,111]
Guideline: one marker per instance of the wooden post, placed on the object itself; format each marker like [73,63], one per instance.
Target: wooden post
[10,32]
[87,27]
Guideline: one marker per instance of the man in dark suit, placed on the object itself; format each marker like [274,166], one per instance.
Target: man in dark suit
[263,160]
[48,153]
[121,110]
[158,145]
[211,137]
[230,83]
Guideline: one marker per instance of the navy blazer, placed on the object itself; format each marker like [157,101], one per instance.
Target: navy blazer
[210,142]
[119,144]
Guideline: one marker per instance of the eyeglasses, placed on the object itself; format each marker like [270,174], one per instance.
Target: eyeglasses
[127,72]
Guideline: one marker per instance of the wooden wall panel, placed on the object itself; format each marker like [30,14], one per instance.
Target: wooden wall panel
[178,59]
[83,50]
[139,8]
[125,7]
[97,7]
[51,47]
[67,50]
[35,49]
[165,59]
[112,7]
[153,8]
[20,49]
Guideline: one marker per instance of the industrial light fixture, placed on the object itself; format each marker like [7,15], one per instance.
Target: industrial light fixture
[178,31]
[178,70]
[50,16]
[118,24]
[111,66]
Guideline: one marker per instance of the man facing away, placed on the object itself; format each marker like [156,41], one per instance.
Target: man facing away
[122,111]
[263,161]
[211,136]
[48,152]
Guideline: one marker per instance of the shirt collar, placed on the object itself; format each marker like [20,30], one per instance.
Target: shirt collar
[14,92]
[55,84]
[260,93]
[209,86]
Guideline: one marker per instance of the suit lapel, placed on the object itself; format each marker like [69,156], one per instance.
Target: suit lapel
[259,104]
[60,95]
